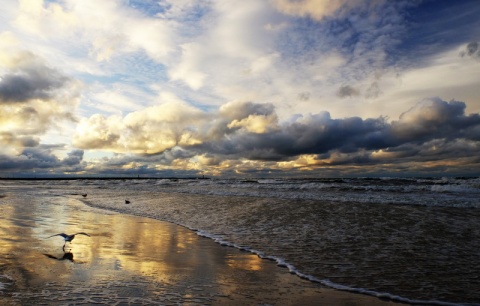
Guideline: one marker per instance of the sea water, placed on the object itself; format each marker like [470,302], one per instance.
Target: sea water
[414,240]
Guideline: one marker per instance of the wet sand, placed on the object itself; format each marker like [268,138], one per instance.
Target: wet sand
[132,260]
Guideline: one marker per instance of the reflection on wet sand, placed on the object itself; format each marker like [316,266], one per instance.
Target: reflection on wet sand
[133,260]
[66,256]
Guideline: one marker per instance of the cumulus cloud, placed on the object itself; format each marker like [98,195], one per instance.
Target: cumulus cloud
[40,159]
[30,79]
[243,131]
[435,118]
[34,97]
[74,157]
[149,131]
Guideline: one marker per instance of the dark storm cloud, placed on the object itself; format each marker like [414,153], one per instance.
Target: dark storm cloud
[316,134]
[435,118]
[427,135]
[319,134]
[74,158]
[40,158]
[30,82]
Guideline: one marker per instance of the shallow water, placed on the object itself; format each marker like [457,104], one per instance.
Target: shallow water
[410,253]
[131,261]
[420,253]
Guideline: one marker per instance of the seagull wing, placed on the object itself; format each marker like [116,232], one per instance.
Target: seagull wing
[82,233]
[61,234]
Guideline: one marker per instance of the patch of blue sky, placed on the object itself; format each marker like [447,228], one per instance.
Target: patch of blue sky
[196,12]
[305,37]
[149,7]
[190,13]
[135,69]
[51,1]
[438,26]
[357,31]
[368,34]
[194,101]
[100,79]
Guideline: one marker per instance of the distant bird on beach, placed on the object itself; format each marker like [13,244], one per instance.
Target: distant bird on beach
[68,238]
[127,202]
[84,195]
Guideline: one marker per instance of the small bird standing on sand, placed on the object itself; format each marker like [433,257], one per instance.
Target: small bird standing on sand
[68,238]
[127,202]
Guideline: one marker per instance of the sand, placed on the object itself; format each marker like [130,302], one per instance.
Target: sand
[132,260]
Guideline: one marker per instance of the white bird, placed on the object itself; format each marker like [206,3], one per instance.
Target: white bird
[68,238]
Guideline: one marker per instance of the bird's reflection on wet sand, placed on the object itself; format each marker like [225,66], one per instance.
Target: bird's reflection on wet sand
[66,256]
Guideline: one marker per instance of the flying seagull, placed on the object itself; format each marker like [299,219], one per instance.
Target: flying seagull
[68,238]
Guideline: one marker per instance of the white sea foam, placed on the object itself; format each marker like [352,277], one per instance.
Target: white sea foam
[292,269]
[5,281]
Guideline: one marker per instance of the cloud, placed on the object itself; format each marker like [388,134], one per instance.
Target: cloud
[34,97]
[108,27]
[74,157]
[472,49]
[187,70]
[30,79]
[40,159]
[347,91]
[360,60]
[431,135]
[435,118]
[148,131]
[316,9]
[251,131]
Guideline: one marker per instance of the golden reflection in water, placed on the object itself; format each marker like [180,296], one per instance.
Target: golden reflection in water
[118,243]
[250,262]
[129,257]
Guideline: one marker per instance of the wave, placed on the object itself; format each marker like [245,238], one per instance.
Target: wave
[439,192]
[291,268]
[276,229]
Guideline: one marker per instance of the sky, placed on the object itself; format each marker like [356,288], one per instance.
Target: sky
[252,88]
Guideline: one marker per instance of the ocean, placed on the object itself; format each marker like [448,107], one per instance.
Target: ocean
[412,240]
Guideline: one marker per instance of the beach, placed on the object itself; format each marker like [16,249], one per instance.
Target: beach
[241,242]
[131,260]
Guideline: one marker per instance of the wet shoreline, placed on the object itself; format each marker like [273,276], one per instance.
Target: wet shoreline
[134,260]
